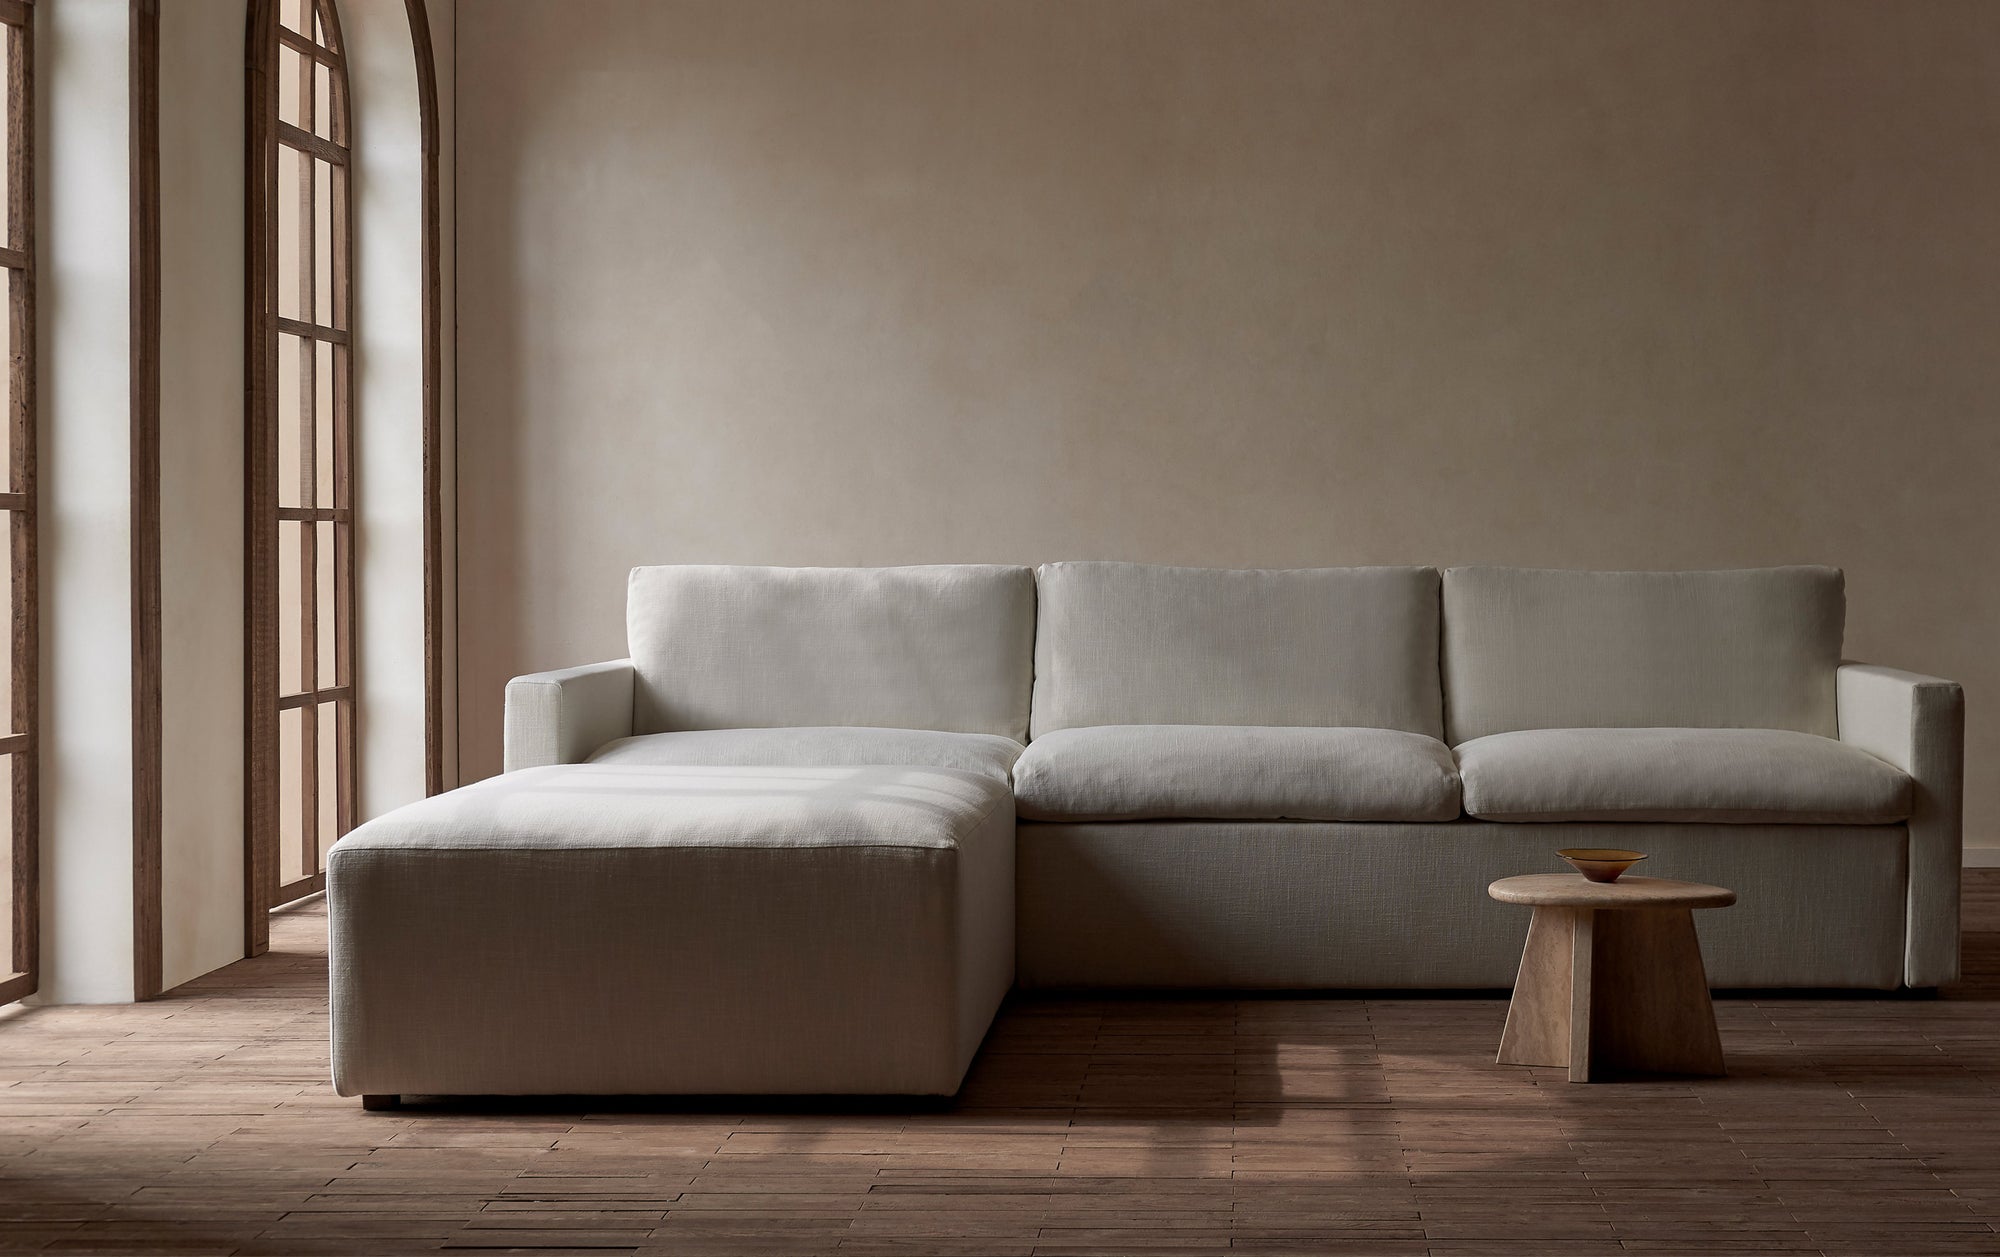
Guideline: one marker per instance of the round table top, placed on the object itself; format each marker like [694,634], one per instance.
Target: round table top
[1573,890]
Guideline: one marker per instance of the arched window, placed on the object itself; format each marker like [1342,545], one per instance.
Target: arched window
[19,877]
[301,706]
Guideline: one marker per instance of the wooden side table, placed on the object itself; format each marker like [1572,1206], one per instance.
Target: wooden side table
[1611,978]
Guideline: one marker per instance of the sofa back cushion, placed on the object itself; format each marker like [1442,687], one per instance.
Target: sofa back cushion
[946,648]
[1537,648]
[1132,644]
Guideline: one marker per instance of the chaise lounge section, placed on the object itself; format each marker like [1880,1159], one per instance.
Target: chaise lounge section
[644,929]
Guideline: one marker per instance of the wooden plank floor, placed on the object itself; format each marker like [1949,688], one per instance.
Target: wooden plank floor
[203,1123]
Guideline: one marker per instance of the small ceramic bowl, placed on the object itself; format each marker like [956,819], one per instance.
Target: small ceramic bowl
[1601,864]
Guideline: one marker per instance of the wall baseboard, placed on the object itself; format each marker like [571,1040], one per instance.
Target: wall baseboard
[1982,857]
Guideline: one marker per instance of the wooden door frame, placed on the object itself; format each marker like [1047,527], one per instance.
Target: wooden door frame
[23,742]
[148,751]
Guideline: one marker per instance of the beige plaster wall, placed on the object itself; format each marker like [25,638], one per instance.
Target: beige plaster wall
[82,307]
[201,488]
[881,281]
[388,402]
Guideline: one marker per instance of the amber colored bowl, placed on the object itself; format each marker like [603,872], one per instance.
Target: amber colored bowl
[1601,864]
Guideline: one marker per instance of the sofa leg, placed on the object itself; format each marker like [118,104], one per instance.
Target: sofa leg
[376,1104]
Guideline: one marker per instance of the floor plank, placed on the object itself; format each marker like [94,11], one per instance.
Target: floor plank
[203,1123]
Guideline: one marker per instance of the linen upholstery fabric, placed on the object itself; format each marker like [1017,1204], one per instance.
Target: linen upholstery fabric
[1917,723]
[1533,648]
[1127,772]
[1724,775]
[620,929]
[1305,905]
[804,747]
[561,717]
[946,648]
[1133,644]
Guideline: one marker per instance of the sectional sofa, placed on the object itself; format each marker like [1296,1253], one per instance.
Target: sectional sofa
[810,833]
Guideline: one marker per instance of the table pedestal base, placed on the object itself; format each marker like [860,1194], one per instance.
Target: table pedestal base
[1612,990]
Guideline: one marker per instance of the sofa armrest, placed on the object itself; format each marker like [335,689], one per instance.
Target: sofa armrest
[561,717]
[1917,723]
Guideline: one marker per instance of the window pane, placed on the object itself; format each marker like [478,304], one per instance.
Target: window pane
[323,244]
[8,671]
[290,171]
[323,556]
[291,69]
[297,15]
[6,137]
[290,668]
[323,115]
[289,421]
[323,446]
[7,316]
[291,796]
[329,781]
[7,961]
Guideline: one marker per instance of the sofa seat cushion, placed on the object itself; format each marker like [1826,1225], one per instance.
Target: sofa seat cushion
[1235,772]
[1741,776]
[572,807]
[984,753]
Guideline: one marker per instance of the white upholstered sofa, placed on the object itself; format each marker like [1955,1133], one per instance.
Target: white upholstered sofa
[808,835]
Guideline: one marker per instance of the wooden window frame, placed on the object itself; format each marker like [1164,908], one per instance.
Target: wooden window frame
[266,326]
[18,503]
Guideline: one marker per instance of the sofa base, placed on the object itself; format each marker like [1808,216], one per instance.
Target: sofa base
[1286,905]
